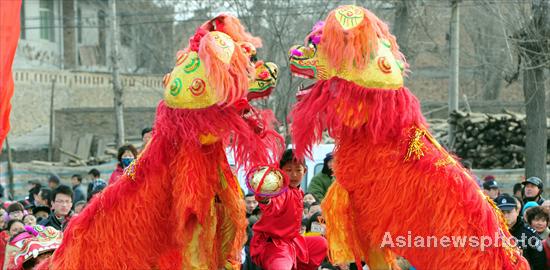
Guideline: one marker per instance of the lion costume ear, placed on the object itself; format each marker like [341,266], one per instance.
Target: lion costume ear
[227,68]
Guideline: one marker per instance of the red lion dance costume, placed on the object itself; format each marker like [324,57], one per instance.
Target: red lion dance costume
[392,177]
[178,206]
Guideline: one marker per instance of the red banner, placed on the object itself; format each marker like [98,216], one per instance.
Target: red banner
[9,36]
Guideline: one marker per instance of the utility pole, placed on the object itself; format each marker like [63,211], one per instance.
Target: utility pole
[117,87]
[454,65]
[50,145]
[11,190]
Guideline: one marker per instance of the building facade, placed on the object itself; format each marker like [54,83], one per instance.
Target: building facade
[65,45]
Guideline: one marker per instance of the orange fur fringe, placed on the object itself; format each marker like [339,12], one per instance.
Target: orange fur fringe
[427,196]
[149,222]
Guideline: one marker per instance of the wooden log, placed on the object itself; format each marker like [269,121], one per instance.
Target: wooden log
[63,151]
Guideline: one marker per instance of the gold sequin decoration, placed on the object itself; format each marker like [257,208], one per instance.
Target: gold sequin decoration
[415,144]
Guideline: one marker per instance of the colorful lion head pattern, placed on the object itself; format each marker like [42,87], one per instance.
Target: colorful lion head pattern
[354,45]
[30,244]
[217,70]
[190,86]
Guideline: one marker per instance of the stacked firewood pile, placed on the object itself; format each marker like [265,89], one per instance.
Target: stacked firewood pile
[488,140]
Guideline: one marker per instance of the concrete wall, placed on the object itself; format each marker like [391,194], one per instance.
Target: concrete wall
[31,100]
[101,122]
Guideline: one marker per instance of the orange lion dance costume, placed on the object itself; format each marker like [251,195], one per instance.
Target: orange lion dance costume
[178,206]
[392,177]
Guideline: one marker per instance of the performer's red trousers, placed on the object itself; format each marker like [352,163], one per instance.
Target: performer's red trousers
[283,255]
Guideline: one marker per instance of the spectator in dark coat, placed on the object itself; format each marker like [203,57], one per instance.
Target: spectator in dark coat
[526,237]
[532,190]
[79,194]
[62,202]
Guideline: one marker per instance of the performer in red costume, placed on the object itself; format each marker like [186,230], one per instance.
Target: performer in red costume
[277,243]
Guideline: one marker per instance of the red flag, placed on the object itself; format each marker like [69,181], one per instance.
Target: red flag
[9,36]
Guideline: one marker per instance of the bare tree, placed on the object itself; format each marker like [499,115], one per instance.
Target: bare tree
[529,25]
[490,51]
[147,28]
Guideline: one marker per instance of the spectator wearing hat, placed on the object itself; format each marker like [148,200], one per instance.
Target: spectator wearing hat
[322,181]
[532,190]
[490,188]
[526,237]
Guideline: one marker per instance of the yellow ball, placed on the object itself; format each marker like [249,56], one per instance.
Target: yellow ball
[273,182]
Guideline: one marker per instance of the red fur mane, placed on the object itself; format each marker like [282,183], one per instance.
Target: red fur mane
[385,113]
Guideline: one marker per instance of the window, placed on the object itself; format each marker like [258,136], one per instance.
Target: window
[126,30]
[102,37]
[79,24]
[23,33]
[125,33]
[47,30]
